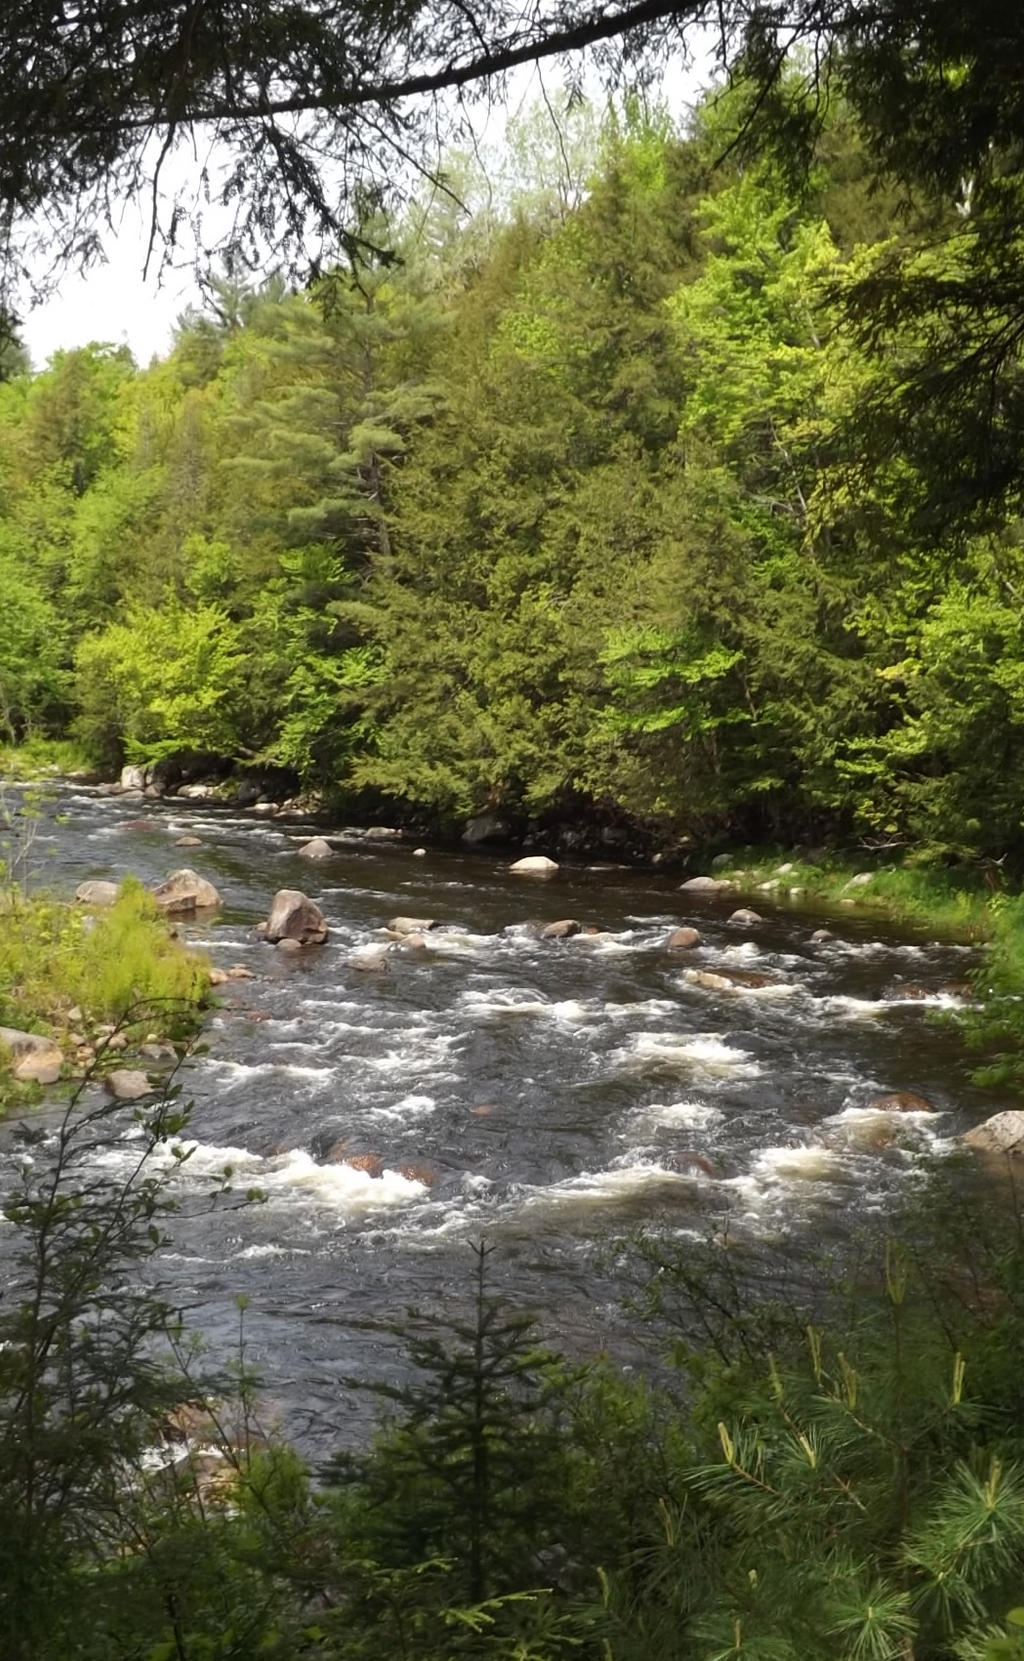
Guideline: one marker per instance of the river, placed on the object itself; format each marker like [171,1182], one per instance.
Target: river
[548,1096]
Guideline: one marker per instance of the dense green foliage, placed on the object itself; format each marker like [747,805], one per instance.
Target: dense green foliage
[565,511]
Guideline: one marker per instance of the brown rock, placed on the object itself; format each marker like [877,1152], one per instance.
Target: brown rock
[744,917]
[238,971]
[705,885]
[295,917]
[683,940]
[371,1163]
[562,930]
[39,1067]
[288,946]
[372,959]
[690,1161]
[901,1101]
[411,925]
[418,1173]
[185,891]
[189,842]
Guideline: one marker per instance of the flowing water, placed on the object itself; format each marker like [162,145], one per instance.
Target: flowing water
[545,1095]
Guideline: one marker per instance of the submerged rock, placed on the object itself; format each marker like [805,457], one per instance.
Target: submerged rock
[317,848]
[683,939]
[293,916]
[901,1101]
[562,930]
[128,1084]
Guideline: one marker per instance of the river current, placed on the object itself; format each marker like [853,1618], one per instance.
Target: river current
[547,1096]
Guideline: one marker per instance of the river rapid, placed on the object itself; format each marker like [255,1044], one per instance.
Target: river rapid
[547,1096]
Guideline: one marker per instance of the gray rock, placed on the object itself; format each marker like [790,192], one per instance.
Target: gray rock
[683,940]
[289,945]
[293,916]
[24,1043]
[744,916]
[96,893]
[820,936]
[317,848]
[185,891]
[534,865]
[1003,1133]
[705,885]
[861,880]
[486,827]
[133,778]
[562,930]
[369,959]
[189,842]
[128,1084]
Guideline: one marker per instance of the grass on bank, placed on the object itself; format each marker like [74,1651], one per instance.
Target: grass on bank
[953,902]
[64,969]
[38,758]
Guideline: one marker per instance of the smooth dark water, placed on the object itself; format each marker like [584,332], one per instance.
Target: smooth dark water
[550,1095]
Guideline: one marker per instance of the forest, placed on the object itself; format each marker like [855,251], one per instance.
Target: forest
[666,487]
[644,495]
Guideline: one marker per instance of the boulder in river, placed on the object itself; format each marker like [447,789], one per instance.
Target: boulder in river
[317,848]
[534,865]
[96,893]
[820,937]
[1003,1133]
[189,842]
[128,1084]
[562,930]
[705,885]
[411,925]
[901,1101]
[185,891]
[293,916]
[133,778]
[683,939]
[744,917]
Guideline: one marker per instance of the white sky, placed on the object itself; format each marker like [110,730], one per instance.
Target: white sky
[115,302]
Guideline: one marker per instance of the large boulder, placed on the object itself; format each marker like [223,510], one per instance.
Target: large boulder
[184,891]
[1003,1133]
[133,778]
[293,916]
[534,865]
[744,917]
[33,1058]
[705,885]
[96,893]
[411,925]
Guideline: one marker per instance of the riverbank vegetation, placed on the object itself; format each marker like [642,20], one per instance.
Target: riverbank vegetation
[831,1471]
[581,510]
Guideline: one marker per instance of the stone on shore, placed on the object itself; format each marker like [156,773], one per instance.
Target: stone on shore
[96,893]
[1003,1133]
